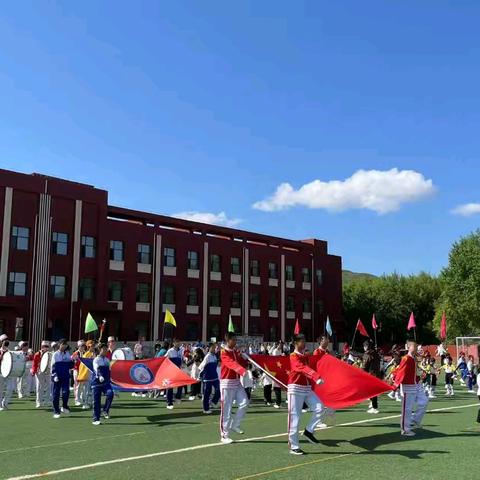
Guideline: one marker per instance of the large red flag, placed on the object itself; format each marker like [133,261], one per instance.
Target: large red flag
[297,328]
[411,322]
[277,367]
[443,327]
[374,322]
[361,329]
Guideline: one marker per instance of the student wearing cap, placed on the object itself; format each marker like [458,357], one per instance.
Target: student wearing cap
[76,355]
[62,363]
[101,385]
[84,377]
[112,345]
[6,384]
[24,382]
[43,382]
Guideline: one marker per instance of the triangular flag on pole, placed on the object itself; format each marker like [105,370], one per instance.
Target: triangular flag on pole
[231,327]
[90,324]
[297,328]
[328,327]
[443,327]
[169,318]
[374,322]
[411,322]
[361,329]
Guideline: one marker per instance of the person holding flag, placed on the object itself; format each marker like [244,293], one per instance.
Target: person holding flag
[101,385]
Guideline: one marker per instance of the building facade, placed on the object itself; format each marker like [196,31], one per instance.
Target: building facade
[66,252]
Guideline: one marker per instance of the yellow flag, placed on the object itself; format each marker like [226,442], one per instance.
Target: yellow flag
[169,318]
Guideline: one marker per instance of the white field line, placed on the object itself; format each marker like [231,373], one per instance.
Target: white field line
[208,445]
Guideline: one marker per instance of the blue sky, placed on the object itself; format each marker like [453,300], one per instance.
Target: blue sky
[209,106]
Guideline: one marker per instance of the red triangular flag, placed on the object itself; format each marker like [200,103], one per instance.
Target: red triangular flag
[411,322]
[361,329]
[443,327]
[374,322]
[297,328]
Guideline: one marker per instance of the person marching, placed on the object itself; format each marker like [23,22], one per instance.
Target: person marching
[299,392]
[24,382]
[76,355]
[7,385]
[43,381]
[233,367]
[371,365]
[112,345]
[174,354]
[101,384]
[61,365]
[450,371]
[84,377]
[209,374]
[412,391]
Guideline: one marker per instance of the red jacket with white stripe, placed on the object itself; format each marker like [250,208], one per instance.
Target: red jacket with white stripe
[406,373]
[300,373]
[233,366]
[36,363]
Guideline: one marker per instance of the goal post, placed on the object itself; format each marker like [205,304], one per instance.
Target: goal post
[469,346]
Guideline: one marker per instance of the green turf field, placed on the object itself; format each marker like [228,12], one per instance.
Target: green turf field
[144,440]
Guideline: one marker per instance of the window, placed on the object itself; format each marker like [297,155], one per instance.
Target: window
[255,300]
[236,300]
[290,304]
[235,265]
[273,301]
[306,275]
[320,306]
[59,243]
[143,292]
[215,263]
[214,297]
[255,268]
[17,284]
[192,296]
[289,273]
[272,270]
[116,250]
[87,289]
[169,257]
[193,263]
[20,238]
[307,305]
[319,276]
[88,247]
[169,294]
[115,291]
[57,286]
[144,254]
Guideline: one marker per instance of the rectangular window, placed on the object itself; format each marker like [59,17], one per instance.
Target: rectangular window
[307,305]
[273,301]
[86,289]
[20,238]
[57,286]
[17,284]
[235,264]
[320,306]
[272,270]
[169,257]
[169,294]
[290,304]
[214,297]
[59,243]
[143,292]
[115,291]
[192,296]
[255,300]
[255,268]
[116,250]
[236,300]
[289,273]
[88,247]
[215,263]
[306,275]
[319,276]
[193,261]
[144,254]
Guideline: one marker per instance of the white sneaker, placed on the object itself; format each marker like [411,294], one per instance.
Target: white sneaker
[471,391]
[226,440]
[373,410]
[191,398]
[96,422]
[276,406]
[65,411]
[105,415]
[304,410]
[238,430]
[1,409]
[207,412]
[170,407]
[408,433]
[322,426]
[56,415]
[432,396]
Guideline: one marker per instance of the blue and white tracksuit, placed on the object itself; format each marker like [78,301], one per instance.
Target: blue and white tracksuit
[101,384]
[61,365]
[175,356]
[209,375]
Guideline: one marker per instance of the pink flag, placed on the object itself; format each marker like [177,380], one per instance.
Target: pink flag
[374,322]
[443,327]
[411,322]
[297,328]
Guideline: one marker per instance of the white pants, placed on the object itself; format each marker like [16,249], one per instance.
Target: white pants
[228,395]
[7,386]
[412,395]
[295,404]
[76,385]
[43,384]
[84,392]
[24,384]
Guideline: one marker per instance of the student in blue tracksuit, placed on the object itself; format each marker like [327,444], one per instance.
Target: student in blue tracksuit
[174,354]
[209,374]
[61,365]
[101,384]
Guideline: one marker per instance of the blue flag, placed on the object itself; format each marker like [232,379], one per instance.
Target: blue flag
[328,327]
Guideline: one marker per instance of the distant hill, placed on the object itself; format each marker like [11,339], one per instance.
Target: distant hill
[349,277]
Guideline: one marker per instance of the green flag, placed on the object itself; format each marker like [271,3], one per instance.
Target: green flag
[90,324]
[231,328]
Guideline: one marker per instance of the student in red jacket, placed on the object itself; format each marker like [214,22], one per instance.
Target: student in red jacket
[413,393]
[300,380]
[233,368]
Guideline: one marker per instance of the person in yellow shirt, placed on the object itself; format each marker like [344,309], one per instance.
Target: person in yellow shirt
[83,378]
[450,369]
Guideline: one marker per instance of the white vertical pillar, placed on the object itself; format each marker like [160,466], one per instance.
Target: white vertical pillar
[312,283]
[206,264]
[282,297]
[76,249]
[7,219]
[156,287]
[246,290]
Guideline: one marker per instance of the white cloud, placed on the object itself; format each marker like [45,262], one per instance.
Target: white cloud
[380,191]
[467,209]
[210,218]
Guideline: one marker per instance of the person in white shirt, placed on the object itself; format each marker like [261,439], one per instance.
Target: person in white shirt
[175,356]
[247,381]
[7,385]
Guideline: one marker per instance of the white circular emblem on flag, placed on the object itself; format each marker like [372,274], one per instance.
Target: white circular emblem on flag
[141,374]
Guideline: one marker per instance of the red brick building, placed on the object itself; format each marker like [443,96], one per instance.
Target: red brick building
[65,252]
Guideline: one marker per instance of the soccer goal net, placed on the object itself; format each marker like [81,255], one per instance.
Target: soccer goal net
[469,346]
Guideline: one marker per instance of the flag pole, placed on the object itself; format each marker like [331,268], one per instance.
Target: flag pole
[375,334]
[354,334]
